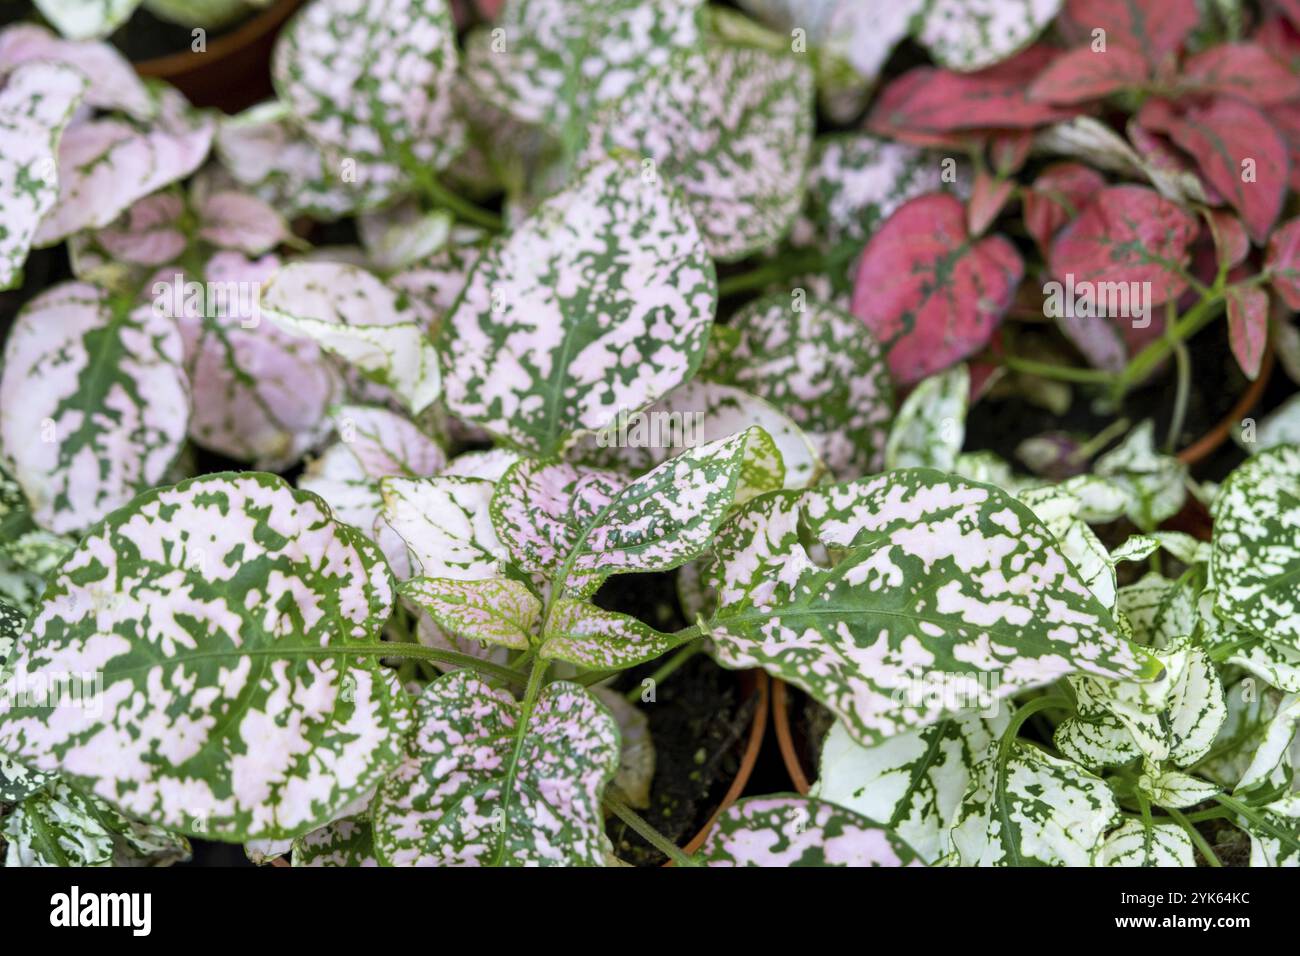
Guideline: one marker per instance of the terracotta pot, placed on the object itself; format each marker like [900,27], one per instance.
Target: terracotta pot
[785,736]
[752,683]
[1208,443]
[235,71]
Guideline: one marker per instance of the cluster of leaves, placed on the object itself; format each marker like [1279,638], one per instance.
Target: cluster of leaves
[401,660]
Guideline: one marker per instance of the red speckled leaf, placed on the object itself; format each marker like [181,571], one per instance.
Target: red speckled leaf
[1231,244]
[929,100]
[1283,262]
[1246,70]
[1239,152]
[1126,234]
[988,195]
[928,292]
[1057,195]
[1009,149]
[1156,27]
[1279,38]
[1291,8]
[1086,74]
[1248,326]
[1286,119]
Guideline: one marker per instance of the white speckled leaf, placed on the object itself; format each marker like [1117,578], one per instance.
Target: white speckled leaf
[596,639]
[699,412]
[1274,832]
[12,622]
[500,611]
[384,443]
[559,59]
[800,831]
[938,584]
[1172,788]
[600,302]
[1256,547]
[106,165]
[447,526]
[821,367]
[235,626]
[1136,844]
[1032,810]
[731,128]
[346,842]
[86,19]
[973,34]
[352,314]
[115,85]
[1270,767]
[930,427]
[93,403]
[403,235]
[1154,484]
[36,103]
[370,81]
[61,826]
[459,799]
[912,782]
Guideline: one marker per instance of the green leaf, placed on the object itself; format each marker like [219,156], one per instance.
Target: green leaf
[913,782]
[931,424]
[798,831]
[447,526]
[598,303]
[936,584]
[36,103]
[1135,843]
[596,639]
[458,797]
[732,128]
[1032,809]
[345,842]
[349,312]
[61,826]
[501,611]
[234,626]
[371,81]
[93,403]
[1255,560]
[820,366]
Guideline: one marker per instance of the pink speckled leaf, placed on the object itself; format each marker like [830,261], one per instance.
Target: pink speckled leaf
[781,831]
[1231,244]
[447,525]
[1156,27]
[1126,234]
[1059,193]
[1240,69]
[1282,262]
[928,293]
[115,85]
[596,639]
[496,611]
[1086,74]
[235,220]
[459,799]
[385,443]
[987,197]
[1248,327]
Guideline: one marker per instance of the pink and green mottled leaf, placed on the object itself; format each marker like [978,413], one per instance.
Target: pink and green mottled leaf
[235,626]
[447,526]
[1245,70]
[495,611]
[115,85]
[460,798]
[596,639]
[345,842]
[1282,262]
[1248,327]
[974,34]
[1156,27]
[233,220]
[1086,74]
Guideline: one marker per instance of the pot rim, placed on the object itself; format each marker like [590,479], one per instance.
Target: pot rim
[171,65]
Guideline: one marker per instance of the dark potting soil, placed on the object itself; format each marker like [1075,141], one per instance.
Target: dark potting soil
[698,720]
[146,36]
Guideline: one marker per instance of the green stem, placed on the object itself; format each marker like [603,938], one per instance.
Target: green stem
[1197,317]
[665,670]
[1064,373]
[1181,393]
[1021,715]
[1099,441]
[770,273]
[419,652]
[531,693]
[646,831]
[1260,822]
[1202,844]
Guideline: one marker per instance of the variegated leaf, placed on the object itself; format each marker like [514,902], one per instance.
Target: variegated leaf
[1059,510]
[1172,788]
[1274,832]
[465,796]
[61,826]
[116,86]
[349,312]
[913,782]
[1270,767]
[36,103]
[234,626]
[1255,560]
[230,219]
[346,842]
[384,443]
[1032,809]
[973,34]
[447,526]
[600,302]
[636,761]
[93,403]
[555,61]
[1135,843]
[731,128]
[699,412]
[400,236]
[1153,483]
[371,83]
[799,831]
[819,366]
[931,424]
[596,639]
[498,611]
[942,591]
[86,19]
